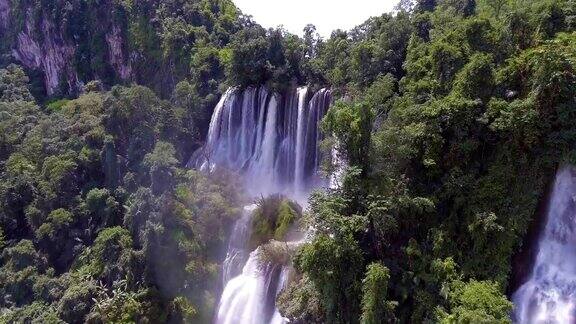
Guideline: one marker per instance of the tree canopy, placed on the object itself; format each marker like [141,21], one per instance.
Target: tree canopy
[452,116]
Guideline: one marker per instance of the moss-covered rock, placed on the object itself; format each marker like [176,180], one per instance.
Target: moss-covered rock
[273,219]
[286,217]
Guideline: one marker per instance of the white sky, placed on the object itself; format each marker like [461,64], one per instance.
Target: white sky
[326,15]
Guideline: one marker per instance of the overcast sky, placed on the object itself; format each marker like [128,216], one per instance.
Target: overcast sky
[326,15]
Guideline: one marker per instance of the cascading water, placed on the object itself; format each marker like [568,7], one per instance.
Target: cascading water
[549,294]
[273,142]
[236,253]
[245,296]
[300,139]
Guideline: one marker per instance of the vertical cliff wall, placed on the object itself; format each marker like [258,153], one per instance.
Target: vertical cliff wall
[64,43]
[42,47]
[4,14]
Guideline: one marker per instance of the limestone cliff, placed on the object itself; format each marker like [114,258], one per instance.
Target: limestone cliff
[4,14]
[43,41]
[45,50]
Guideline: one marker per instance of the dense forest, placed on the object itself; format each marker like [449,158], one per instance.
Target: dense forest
[452,116]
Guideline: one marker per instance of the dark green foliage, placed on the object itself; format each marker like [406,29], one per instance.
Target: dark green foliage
[110,252]
[351,124]
[300,301]
[357,58]
[162,165]
[101,207]
[98,220]
[477,301]
[22,265]
[452,116]
[335,266]
[257,56]
[37,312]
[56,105]
[14,85]
[76,302]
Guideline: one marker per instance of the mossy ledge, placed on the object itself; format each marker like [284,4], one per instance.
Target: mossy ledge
[273,219]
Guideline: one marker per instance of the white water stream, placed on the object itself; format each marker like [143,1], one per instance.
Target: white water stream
[549,294]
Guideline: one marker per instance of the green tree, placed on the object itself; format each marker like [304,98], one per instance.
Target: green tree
[477,302]
[162,165]
[375,307]
[14,84]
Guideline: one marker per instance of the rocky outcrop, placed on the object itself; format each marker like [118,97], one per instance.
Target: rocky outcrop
[52,55]
[4,14]
[118,60]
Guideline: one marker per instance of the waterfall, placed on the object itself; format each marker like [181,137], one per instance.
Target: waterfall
[339,164]
[272,142]
[284,274]
[549,294]
[262,173]
[299,158]
[245,296]
[236,253]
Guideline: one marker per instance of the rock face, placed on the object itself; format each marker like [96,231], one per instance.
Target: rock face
[52,56]
[116,53]
[40,43]
[4,14]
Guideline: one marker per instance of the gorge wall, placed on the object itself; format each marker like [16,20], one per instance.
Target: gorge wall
[63,44]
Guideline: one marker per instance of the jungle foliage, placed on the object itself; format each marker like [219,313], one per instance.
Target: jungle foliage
[451,143]
[452,115]
[101,222]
